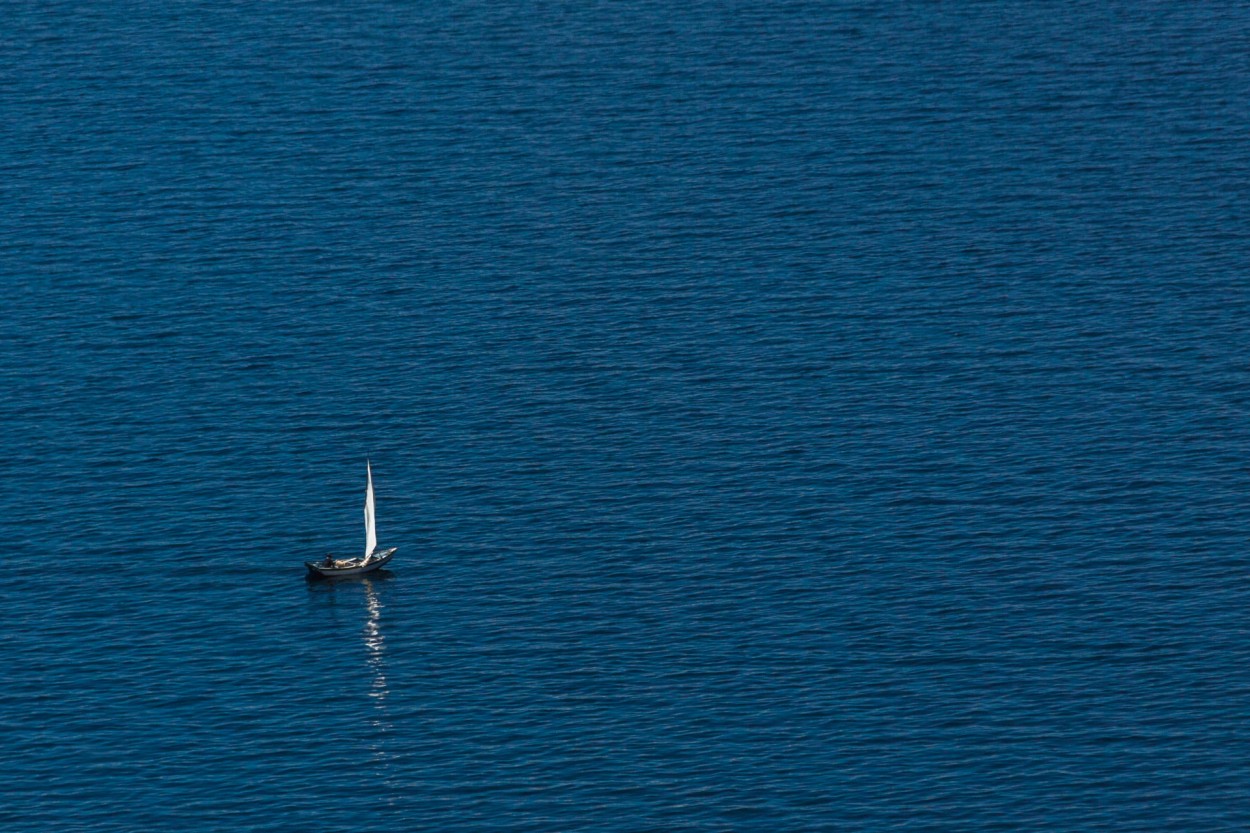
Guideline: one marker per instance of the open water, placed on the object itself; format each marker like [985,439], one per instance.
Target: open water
[791,416]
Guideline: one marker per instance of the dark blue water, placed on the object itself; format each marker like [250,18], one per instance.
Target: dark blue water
[791,416]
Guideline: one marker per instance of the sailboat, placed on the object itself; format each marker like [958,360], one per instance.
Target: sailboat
[374,558]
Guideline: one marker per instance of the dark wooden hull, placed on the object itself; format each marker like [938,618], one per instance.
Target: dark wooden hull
[322,571]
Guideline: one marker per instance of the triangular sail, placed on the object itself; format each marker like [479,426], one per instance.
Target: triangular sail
[371,536]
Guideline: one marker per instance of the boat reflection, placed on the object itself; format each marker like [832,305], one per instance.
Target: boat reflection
[371,633]
[316,582]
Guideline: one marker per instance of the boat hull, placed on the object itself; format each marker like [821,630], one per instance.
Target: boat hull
[322,571]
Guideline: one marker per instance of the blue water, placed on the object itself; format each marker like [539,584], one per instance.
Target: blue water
[791,416]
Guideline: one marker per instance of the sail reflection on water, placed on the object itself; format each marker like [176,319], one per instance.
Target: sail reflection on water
[375,643]
[375,655]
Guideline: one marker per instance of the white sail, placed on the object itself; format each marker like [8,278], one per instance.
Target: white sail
[371,536]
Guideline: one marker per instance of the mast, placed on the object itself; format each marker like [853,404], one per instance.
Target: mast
[371,536]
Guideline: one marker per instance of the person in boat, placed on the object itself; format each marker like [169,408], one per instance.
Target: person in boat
[329,559]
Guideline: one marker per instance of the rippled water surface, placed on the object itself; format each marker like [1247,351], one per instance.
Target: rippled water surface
[791,416]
